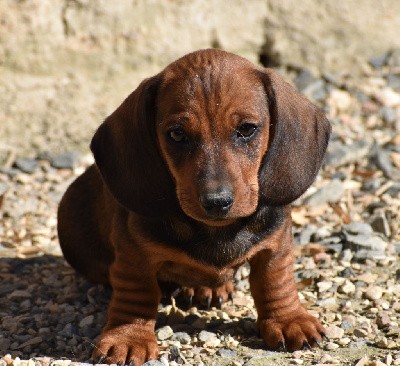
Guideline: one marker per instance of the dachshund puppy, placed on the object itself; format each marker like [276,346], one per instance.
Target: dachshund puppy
[194,175]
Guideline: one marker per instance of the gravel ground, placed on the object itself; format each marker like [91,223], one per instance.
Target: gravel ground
[347,240]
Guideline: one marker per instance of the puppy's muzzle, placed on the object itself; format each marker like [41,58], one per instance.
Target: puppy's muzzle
[218,203]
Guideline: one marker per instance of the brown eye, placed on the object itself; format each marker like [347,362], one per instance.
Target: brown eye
[177,135]
[246,131]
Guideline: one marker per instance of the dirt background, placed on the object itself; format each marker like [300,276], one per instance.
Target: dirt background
[66,64]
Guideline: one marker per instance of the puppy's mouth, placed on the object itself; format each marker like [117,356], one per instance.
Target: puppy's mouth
[216,216]
[223,218]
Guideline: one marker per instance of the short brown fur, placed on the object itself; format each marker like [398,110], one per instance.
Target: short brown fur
[194,175]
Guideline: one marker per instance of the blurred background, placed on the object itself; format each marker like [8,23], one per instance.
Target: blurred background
[66,64]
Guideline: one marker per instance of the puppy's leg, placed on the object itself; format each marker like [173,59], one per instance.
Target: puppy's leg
[129,333]
[282,320]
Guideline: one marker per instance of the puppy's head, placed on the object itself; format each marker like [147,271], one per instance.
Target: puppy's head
[214,136]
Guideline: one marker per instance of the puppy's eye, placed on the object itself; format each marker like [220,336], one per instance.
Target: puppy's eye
[177,135]
[246,131]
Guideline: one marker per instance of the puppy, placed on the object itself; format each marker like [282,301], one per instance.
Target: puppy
[194,175]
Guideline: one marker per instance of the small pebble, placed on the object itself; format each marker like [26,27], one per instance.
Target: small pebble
[87,321]
[331,193]
[347,287]
[373,292]
[26,165]
[66,160]
[334,332]
[164,333]
[226,353]
[330,346]
[153,363]
[209,339]
[361,333]
[181,337]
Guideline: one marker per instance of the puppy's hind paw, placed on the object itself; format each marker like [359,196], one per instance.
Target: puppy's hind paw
[207,296]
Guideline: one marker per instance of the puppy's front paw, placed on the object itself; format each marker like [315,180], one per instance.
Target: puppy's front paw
[292,333]
[127,345]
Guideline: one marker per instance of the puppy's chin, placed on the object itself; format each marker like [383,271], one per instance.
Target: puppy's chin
[217,222]
[222,221]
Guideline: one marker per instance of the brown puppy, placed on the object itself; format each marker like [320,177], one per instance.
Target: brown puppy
[194,175]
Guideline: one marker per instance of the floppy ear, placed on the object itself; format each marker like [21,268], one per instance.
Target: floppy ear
[127,154]
[299,135]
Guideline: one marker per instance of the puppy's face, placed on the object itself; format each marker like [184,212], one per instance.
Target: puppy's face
[212,126]
[213,134]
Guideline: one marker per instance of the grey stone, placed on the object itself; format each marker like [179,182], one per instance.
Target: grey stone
[227,353]
[393,81]
[87,321]
[394,190]
[306,234]
[329,240]
[371,185]
[175,355]
[366,246]
[383,162]
[334,247]
[347,273]
[316,90]
[68,330]
[26,165]
[66,160]
[380,224]
[12,172]
[181,337]
[153,363]
[304,79]
[359,343]
[339,175]
[323,233]
[346,325]
[346,256]
[378,61]
[361,97]
[357,228]
[388,114]
[332,192]
[328,302]
[339,154]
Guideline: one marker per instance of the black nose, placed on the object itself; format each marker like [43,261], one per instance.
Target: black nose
[217,203]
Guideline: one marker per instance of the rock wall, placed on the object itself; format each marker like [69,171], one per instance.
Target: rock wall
[66,64]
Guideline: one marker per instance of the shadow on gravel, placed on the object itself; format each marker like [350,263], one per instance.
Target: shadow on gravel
[48,310]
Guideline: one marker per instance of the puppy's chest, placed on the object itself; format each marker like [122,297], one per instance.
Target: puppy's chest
[214,246]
